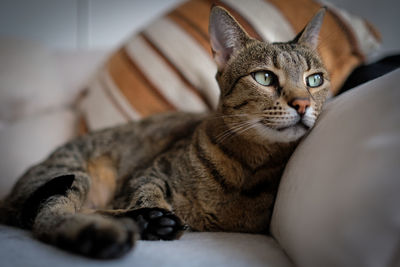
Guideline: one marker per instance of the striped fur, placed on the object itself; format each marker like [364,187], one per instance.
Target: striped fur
[153,178]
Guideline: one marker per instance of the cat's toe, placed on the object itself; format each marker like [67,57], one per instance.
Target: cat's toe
[157,223]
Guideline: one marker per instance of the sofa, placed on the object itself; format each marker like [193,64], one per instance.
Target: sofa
[337,203]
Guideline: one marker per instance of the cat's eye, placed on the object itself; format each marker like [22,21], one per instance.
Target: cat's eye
[314,80]
[264,77]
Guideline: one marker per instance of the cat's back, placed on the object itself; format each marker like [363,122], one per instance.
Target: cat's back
[167,125]
[157,129]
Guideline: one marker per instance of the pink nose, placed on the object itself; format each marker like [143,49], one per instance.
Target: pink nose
[300,105]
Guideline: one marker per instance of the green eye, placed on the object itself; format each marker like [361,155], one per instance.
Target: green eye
[314,80]
[265,78]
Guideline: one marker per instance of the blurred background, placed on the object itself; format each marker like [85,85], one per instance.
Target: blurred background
[103,24]
[78,24]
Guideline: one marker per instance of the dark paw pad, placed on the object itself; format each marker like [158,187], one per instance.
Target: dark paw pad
[156,223]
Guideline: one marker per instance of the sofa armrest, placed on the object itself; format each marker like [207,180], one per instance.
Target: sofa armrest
[338,202]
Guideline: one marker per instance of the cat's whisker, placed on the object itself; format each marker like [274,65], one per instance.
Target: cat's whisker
[276,124]
[227,117]
[240,131]
[234,115]
[248,128]
[229,132]
[279,117]
[245,127]
[224,134]
[235,129]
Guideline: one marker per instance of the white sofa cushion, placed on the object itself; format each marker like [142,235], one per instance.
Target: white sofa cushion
[29,141]
[18,248]
[338,202]
[36,87]
[29,81]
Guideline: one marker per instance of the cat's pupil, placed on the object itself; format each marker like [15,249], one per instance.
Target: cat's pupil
[265,78]
[314,80]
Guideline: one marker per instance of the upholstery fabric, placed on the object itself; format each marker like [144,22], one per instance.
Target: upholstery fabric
[19,249]
[338,201]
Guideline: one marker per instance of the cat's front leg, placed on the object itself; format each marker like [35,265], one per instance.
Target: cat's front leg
[150,207]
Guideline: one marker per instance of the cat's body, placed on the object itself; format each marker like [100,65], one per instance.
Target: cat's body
[211,172]
[180,155]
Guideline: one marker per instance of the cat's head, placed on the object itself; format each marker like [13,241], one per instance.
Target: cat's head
[270,91]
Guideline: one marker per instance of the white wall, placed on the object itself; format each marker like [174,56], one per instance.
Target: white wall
[82,24]
[77,24]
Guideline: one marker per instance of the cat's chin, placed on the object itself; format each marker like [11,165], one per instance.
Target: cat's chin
[297,125]
[283,135]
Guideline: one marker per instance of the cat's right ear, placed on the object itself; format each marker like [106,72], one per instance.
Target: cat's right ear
[226,36]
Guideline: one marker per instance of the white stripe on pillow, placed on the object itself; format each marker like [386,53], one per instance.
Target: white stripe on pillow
[161,75]
[187,55]
[120,99]
[266,19]
[99,111]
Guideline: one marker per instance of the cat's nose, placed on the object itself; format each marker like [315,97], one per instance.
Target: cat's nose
[300,105]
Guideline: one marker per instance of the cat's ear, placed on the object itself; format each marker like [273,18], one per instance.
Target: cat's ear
[309,35]
[226,35]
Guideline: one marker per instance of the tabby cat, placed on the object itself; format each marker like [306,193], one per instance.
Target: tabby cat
[154,178]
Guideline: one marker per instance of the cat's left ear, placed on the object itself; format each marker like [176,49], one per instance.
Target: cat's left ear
[226,36]
[309,35]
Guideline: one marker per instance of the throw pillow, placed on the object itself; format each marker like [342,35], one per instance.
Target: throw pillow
[337,203]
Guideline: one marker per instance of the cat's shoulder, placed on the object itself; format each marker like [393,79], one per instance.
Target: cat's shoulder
[173,118]
[158,125]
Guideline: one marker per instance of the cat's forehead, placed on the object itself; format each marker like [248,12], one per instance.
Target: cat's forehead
[286,56]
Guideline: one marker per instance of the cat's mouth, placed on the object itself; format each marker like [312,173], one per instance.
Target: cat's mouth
[300,124]
[284,133]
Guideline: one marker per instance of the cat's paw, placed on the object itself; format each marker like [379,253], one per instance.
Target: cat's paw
[102,241]
[157,223]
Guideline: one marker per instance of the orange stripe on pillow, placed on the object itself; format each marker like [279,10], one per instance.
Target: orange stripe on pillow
[82,127]
[297,12]
[118,96]
[196,13]
[192,29]
[138,90]
[187,83]
[349,34]
[195,64]
[109,95]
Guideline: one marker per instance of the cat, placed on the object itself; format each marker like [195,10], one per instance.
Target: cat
[157,177]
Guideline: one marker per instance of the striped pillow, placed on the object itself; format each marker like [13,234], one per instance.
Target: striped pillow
[168,66]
